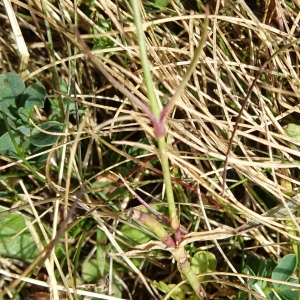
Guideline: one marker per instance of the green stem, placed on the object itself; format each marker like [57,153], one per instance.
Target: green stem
[185,268]
[174,221]
[189,72]
[158,126]
[179,253]
[154,225]
[144,59]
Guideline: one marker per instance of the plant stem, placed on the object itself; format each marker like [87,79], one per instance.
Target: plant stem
[154,212]
[154,225]
[144,59]
[188,74]
[158,126]
[174,221]
[185,268]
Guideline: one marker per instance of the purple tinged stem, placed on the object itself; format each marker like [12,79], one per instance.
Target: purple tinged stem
[154,225]
[157,214]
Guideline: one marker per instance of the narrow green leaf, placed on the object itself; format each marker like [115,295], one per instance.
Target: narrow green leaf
[90,271]
[266,268]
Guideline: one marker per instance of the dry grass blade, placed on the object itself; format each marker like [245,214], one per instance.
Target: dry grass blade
[21,44]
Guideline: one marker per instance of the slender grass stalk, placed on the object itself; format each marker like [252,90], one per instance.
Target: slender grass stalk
[159,127]
[159,130]
[144,59]
[174,221]
[158,120]
[167,109]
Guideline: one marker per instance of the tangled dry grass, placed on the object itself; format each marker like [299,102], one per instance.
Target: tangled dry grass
[263,161]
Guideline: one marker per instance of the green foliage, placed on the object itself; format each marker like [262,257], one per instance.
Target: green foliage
[180,292]
[105,24]
[16,241]
[202,262]
[156,5]
[18,137]
[96,270]
[293,131]
[93,12]
[136,235]
[90,273]
[268,268]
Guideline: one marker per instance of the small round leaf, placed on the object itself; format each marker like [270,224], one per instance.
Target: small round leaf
[203,261]
[293,131]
